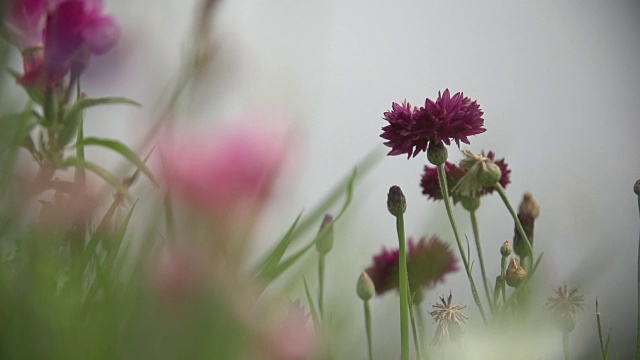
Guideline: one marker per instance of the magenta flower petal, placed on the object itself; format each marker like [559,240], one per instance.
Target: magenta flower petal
[101,34]
[448,118]
[26,18]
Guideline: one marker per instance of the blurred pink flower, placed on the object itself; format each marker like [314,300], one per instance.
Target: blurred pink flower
[227,173]
[292,338]
[180,273]
[70,31]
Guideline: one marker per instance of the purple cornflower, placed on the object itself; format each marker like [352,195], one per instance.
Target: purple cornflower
[428,261]
[448,118]
[431,187]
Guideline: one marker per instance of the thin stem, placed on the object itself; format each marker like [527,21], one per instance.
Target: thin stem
[503,273]
[636,187]
[476,234]
[367,322]
[421,329]
[321,263]
[442,177]
[605,356]
[512,211]
[565,345]
[414,329]
[404,289]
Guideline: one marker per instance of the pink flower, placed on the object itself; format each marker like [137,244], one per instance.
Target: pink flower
[180,273]
[228,173]
[291,338]
[69,30]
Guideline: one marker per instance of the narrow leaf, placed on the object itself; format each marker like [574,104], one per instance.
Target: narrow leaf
[123,150]
[312,307]
[274,257]
[100,171]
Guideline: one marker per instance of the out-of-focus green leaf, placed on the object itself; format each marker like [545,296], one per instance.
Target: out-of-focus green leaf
[116,240]
[123,150]
[274,257]
[273,273]
[100,171]
[312,307]
[34,94]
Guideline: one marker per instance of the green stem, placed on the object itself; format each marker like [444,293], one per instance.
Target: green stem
[605,356]
[512,211]
[404,289]
[442,177]
[367,322]
[565,345]
[636,187]
[421,329]
[321,263]
[503,273]
[414,329]
[476,234]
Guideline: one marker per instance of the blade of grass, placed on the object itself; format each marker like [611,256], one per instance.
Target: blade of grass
[123,150]
[312,308]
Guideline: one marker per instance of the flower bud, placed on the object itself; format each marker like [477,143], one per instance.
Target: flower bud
[529,205]
[470,203]
[490,174]
[515,273]
[396,202]
[636,188]
[506,249]
[365,287]
[437,153]
[324,244]
[528,225]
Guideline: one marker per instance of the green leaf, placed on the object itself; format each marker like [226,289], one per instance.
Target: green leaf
[312,307]
[276,254]
[123,150]
[284,265]
[100,171]
[75,115]
[114,248]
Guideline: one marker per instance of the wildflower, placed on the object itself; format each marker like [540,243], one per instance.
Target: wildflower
[68,31]
[230,173]
[563,306]
[450,320]
[396,202]
[428,262]
[515,273]
[411,129]
[431,187]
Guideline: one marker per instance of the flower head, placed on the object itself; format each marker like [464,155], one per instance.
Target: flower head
[225,174]
[564,305]
[428,262]
[448,118]
[431,186]
[69,31]
[450,320]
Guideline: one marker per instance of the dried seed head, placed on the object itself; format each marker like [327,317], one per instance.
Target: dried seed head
[515,273]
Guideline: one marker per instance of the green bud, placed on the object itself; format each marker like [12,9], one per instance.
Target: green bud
[365,287]
[437,153]
[490,174]
[470,203]
[636,188]
[325,242]
[506,249]
[396,202]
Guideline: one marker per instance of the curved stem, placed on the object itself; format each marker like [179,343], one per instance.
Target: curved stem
[485,279]
[404,290]
[442,177]
[512,211]
[367,322]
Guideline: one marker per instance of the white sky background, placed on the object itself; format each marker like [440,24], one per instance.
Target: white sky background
[558,82]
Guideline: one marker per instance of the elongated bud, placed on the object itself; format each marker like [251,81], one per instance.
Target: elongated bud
[325,242]
[396,202]
[505,249]
[515,273]
[365,287]
[529,206]
[437,153]
[528,225]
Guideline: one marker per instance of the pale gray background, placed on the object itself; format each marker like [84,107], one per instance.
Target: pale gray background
[557,80]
